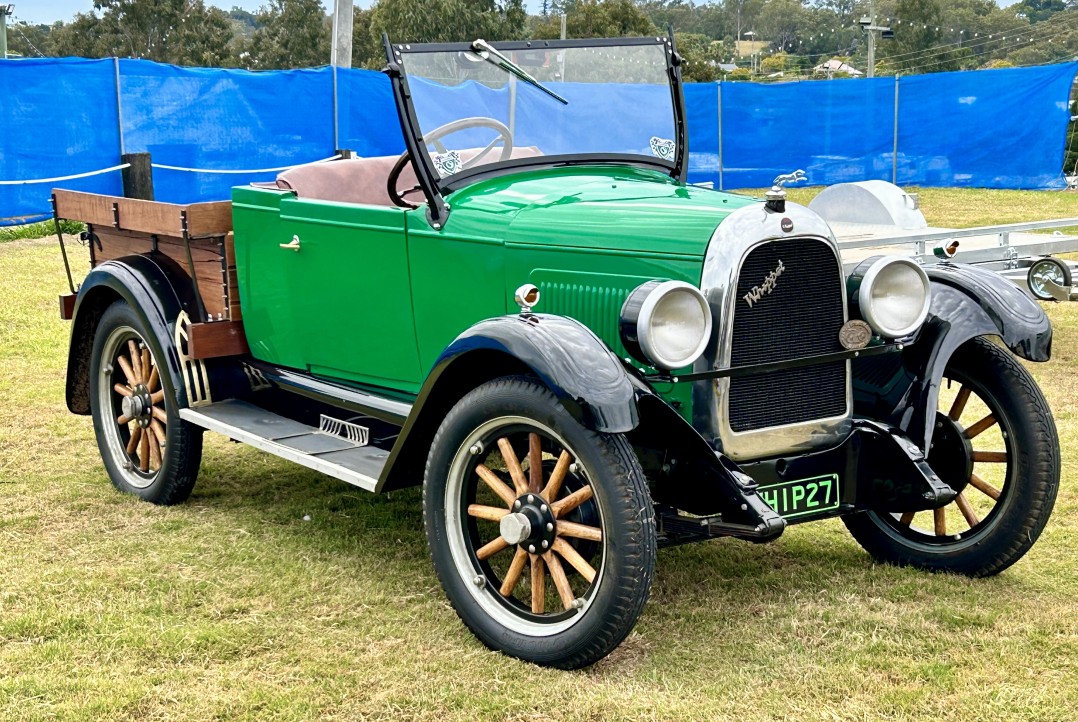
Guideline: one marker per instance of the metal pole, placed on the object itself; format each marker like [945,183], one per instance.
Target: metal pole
[341,52]
[872,40]
[119,106]
[894,149]
[336,114]
[720,135]
[563,29]
[3,32]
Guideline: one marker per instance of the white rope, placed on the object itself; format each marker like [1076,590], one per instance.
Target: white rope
[65,177]
[255,170]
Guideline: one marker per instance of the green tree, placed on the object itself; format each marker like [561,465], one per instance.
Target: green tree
[599,19]
[290,34]
[30,41]
[184,32]
[427,21]
[920,44]
[1036,11]
[700,57]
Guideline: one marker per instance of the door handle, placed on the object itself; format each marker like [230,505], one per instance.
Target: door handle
[293,246]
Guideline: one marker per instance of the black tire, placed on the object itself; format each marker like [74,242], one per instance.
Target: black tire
[164,475]
[1047,268]
[520,411]
[1013,515]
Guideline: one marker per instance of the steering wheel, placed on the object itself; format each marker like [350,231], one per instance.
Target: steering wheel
[434,137]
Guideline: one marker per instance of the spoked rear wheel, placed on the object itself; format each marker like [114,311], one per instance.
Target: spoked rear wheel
[147,449]
[995,443]
[541,531]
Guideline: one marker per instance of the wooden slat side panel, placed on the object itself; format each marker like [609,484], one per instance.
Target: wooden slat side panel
[85,207]
[209,219]
[203,219]
[234,312]
[117,244]
[150,216]
[213,340]
[205,253]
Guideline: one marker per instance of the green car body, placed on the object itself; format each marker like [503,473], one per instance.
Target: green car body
[393,293]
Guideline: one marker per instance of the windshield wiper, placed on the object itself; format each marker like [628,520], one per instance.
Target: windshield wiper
[484,50]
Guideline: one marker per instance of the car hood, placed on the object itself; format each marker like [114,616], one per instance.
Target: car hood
[609,208]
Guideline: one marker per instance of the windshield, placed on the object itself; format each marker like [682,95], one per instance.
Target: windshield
[603,101]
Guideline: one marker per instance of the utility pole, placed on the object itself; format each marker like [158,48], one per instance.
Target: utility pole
[563,26]
[868,24]
[341,53]
[5,10]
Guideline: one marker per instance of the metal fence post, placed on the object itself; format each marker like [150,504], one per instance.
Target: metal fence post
[719,92]
[336,113]
[894,149]
[119,106]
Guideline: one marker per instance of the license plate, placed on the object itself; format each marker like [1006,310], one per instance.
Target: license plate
[805,496]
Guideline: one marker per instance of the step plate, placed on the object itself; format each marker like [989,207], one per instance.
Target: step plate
[291,440]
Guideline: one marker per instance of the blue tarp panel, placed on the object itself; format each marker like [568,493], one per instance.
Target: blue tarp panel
[368,122]
[216,118]
[836,131]
[993,128]
[989,129]
[57,118]
[702,117]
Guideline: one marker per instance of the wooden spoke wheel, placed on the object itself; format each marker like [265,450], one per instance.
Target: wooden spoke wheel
[994,443]
[146,448]
[541,531]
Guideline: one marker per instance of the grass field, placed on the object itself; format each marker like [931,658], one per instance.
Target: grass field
[232,606]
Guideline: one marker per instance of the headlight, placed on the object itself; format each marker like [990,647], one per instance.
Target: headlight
[666,324]
[892,295]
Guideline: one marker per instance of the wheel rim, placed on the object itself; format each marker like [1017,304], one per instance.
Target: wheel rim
[976,509]
[1044,271]
[132,403]
[494,475]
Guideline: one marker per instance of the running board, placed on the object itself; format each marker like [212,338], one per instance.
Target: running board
[343,456]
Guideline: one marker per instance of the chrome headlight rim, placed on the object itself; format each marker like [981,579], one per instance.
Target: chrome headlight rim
[637,316]
[868,283]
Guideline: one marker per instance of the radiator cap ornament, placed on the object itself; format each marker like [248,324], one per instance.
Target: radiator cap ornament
[854,335]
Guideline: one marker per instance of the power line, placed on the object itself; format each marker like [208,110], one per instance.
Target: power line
[934,58]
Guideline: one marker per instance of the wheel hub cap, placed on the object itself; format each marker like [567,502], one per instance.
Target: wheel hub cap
[533,525]
[951,453]
[515,528]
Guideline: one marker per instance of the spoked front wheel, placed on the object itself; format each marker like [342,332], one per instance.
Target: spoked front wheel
[995,443]
[541,531]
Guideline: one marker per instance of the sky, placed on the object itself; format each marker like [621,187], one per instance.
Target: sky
[49,11]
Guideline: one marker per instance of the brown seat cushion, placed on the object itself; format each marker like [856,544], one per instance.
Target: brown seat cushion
[360,180]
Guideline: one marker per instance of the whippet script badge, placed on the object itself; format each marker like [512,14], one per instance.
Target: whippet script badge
[765,288]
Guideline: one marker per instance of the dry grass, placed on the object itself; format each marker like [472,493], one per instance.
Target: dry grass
[233,607]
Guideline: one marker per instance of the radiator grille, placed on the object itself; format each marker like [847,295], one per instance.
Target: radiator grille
[801,316]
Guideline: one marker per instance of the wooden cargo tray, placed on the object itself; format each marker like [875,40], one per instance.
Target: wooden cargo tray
[197,237]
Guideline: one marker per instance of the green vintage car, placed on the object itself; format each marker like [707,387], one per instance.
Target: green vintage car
[579,356]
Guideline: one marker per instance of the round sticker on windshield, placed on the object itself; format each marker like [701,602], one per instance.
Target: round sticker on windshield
[663,148]
[447,163]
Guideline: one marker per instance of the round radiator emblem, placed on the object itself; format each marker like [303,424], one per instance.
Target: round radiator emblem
[854,335]
[787,225]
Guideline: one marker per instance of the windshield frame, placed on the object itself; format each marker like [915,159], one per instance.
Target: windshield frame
[434,187]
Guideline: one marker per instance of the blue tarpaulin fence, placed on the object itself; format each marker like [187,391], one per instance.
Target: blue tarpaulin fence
[62,117]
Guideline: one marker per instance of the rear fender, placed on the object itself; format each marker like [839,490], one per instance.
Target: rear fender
[588,380]
[967,302]
[149,288]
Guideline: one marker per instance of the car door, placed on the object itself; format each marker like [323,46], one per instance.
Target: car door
[349,291]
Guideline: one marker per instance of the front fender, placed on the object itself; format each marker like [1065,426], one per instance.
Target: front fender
[573,362]
[967,302]
[583,373]
[148,288]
